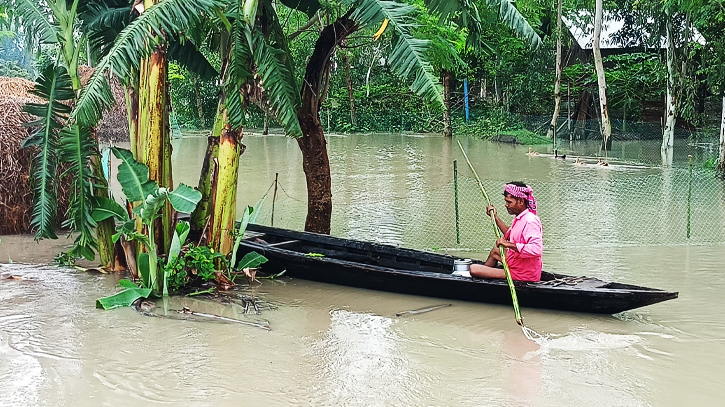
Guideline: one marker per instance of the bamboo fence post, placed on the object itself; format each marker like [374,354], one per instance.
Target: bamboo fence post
[274,196]
[455,189]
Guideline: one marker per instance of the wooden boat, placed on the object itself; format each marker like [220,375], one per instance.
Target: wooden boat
[383,267]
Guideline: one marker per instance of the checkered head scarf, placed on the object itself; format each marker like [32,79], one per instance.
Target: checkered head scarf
[522,192]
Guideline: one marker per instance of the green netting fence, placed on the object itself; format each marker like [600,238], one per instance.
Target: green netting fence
[671,206]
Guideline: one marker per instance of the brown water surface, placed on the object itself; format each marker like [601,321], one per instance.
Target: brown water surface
[332,345]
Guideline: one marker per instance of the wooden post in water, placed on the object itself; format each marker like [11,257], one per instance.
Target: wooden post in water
[455,189]
[274,196]
[568,109]
[689,196]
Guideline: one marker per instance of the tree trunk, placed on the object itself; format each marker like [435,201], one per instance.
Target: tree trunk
[557,82]
[721,162]
[132,112]
[601,81]
[224,204]
[207,179]
[370,68]
[154,134]
[447,128]
[348,81]
[265,129]
[315,161]
[668,136]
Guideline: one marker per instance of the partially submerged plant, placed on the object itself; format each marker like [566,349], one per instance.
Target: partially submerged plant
[249,263]
[136,185]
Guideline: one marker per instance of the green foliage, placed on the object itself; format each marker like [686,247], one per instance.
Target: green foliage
[251,260]
[189,92]
[250,215]
[631,79]
[408,57]
[64,259]
[77,145]
[136,185]
[54,87]
[488,123]
[12,69]
[133,44]
[197,262]
[711,163]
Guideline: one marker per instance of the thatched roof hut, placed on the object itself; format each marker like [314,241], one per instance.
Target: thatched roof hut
[15,190]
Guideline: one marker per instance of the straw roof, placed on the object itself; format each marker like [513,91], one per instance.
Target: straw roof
[15,190]
[15,193]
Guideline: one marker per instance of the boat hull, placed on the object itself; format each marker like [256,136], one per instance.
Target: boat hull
[422,273]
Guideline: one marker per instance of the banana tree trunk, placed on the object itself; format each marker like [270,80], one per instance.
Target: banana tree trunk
[224,203]
[132,110]
[557,82]
[601,80]
[447,128]
[207,178]
[668,136]
[154,139]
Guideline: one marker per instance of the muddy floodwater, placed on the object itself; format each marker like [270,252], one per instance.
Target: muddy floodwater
[338,346]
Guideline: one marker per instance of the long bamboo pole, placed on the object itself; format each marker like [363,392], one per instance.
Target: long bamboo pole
[509,280]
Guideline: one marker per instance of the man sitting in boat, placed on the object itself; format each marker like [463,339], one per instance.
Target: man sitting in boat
[523,240]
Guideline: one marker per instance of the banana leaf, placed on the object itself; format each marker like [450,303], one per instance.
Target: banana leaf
[251,260]
[123,299]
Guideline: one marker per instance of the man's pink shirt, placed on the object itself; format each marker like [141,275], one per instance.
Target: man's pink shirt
[526,233]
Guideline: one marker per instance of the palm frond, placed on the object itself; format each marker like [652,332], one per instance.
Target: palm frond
[467,15]
[185,52]
[513,18]
[237,71]
[133,44]
[77,145]
[33,17]
[408,58]
[103,23]
[277,84]
[55,86]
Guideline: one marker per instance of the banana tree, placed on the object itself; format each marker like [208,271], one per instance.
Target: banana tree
[146,86]
[53,25]
[150,198]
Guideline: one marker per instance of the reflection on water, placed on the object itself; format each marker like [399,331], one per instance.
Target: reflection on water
[362,363]
[332,345]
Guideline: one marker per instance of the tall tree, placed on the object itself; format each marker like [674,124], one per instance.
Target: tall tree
[606,125]
[408,59]
[668,136]
[557,82]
